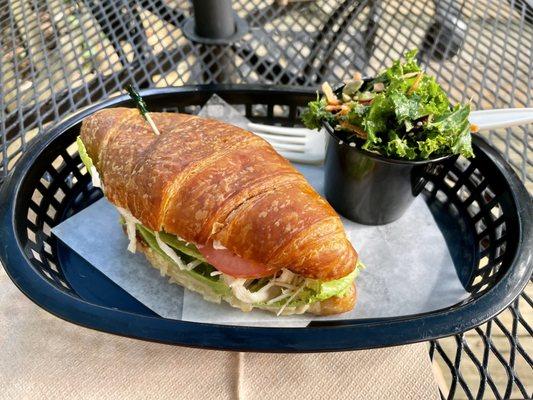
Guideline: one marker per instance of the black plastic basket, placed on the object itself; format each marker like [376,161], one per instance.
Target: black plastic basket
[482,199]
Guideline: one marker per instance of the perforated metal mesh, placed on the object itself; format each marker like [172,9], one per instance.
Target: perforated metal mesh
[60,55]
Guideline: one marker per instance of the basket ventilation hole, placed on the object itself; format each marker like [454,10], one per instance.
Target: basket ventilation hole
[473,208]
[32,216]
[53,266]
[46,229]
[463,193]
[259,110]
[51,212]
[36,255]
[496,211]
[463,164]
[477,176]
[430,187]
[45,180]
[58,163]
[36,197]
[480,226]
[47,248]
[501,249]
[450,179]
[47,274]
[484,242]
[452,176]
[441,196]
[72,150]
[64,284]
[59,195]
[281,111]
[31,236]
[487,194]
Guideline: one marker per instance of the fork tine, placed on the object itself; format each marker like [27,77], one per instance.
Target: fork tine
[287,147]
[279,130]
[282,139]
[296,144]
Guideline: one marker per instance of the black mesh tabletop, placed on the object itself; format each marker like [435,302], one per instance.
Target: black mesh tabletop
[58,56]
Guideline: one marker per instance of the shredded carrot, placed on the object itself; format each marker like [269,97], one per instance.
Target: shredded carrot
[357,76]
[474,128]
[341,108]
[415,84]
[344,110]
[353,128]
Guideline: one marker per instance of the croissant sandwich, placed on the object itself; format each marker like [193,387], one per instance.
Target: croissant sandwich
[216,209]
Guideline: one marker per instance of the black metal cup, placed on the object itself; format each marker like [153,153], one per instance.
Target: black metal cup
[368,188]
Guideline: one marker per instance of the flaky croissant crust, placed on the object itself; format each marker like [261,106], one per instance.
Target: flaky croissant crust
[205,180]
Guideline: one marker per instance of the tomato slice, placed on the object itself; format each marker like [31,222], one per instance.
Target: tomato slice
[231,264]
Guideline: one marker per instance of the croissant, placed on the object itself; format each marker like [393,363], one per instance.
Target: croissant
[226,196]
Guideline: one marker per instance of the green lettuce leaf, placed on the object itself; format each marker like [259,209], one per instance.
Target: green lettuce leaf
[316,114]
[325,290]
[453,130]
[399,68]
[399,147]
[87,161]
[376,121]
[316,290]
[201,273]
[183,247]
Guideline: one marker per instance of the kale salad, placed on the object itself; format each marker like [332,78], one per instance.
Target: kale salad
[403,113]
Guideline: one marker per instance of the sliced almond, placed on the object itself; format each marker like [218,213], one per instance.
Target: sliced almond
[346,98]
[410,75]
[328,92]
[365,102]
[379,87]
[352,87]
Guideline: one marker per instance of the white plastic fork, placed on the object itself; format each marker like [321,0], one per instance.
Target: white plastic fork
[307,146]
[501,118]
[296,144]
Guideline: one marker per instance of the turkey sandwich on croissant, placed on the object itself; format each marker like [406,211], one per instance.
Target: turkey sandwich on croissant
[216,209]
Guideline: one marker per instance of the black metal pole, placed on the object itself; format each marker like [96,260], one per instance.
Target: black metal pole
[215,27]
[446,35]
[213,19]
